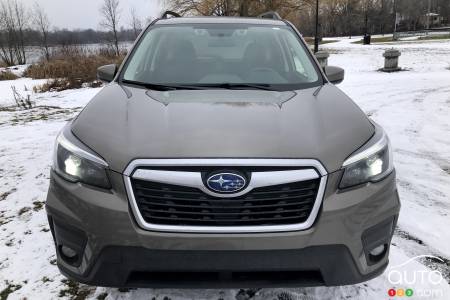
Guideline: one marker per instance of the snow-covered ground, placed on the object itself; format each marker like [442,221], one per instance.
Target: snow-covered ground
[412,105]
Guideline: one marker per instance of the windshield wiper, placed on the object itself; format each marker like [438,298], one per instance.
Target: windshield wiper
[201,86]
[239,86]
[163,87]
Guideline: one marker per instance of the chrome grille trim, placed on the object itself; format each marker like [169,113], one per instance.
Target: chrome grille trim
[192,180]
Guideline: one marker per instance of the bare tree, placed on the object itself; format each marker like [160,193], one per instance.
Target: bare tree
[42,24]
[228,7]
[7,47]
[13,22]
[21,18]
[203,7]
[236,7]
[185,6]
[135,22]
[243,8]
[111,15]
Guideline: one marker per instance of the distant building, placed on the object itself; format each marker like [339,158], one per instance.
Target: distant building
[433,19]
[423,22]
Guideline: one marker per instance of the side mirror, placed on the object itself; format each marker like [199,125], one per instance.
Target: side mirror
[106,73]
[334,74]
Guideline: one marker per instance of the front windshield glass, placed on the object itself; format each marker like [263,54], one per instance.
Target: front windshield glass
[221,54]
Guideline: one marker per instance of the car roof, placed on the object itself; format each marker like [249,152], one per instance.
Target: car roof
[220,20]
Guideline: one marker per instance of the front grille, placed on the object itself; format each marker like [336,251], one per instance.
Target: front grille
[167,204]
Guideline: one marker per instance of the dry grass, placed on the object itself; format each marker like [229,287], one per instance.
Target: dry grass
[7,75]
[310,41]
[61,84]
[383,39]
[71,68]
[435,37]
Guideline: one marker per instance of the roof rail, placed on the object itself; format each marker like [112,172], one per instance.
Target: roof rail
[169,13]
[270,15]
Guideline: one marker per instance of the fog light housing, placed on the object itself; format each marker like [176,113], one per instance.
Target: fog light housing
[70,242]
[376,241]
[68,252]
[378,250]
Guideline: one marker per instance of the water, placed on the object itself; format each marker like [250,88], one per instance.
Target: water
[34,53]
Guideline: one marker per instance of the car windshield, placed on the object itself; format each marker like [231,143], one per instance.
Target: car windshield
[242,56]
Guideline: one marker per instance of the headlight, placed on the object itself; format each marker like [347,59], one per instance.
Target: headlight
[78,165]
[369,165]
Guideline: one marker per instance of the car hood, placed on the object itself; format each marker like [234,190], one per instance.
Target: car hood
[125,123]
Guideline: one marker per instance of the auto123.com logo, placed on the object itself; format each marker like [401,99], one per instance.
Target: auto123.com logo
[417,283]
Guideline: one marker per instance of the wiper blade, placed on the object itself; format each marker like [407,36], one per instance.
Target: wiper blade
[202,86]
[163,87]
[239,86]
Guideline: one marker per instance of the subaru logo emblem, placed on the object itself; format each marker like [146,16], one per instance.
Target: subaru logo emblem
[226,182]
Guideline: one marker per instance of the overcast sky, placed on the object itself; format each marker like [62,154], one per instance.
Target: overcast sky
[82,14]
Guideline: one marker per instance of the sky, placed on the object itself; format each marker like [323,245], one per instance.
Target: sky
[83,14]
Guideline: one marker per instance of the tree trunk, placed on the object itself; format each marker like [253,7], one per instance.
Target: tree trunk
[46,48]
[243,8]
[116,42]
[227,8]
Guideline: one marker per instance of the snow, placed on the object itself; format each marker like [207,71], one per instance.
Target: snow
[23,85]
[16,70]
[413,106]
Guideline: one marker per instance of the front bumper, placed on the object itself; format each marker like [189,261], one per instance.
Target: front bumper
[114,251]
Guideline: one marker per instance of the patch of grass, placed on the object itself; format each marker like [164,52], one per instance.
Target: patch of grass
[10,288]
[3,219]
[4,195]
[23,102]
[7,75]
[387,39]
[52,85]
[38,205]
[58,85]
[42,113]
[446,169]
[245,294]
[23,210]
[328,42]
[435,37]
[310,41]
[71,69]
[102,296]
[74,290]
[8,108]
[384,39]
